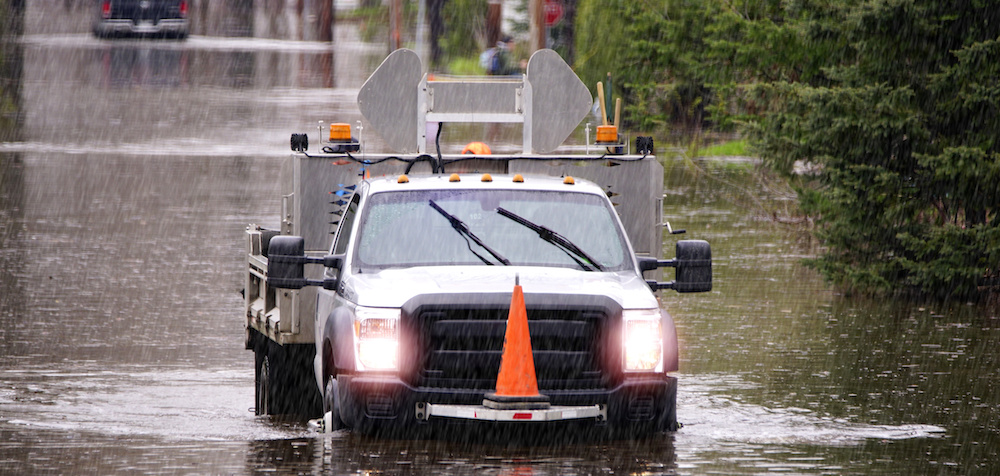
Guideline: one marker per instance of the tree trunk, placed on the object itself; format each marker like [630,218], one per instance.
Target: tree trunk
[494,22]
[437,29]
[325,25]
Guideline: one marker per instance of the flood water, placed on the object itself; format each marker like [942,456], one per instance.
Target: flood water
[136,165]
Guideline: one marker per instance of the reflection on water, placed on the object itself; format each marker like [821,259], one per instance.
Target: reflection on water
[728,416]
[345,452]
[132,67]
[12,302]
[148,98]
[101,237]
[11,71]
[11,166]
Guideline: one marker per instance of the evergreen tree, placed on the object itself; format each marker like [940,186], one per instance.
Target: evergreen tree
[891,104]
[905,140]
[687,62]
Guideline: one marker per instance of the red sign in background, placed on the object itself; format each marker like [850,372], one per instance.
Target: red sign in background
[553,12]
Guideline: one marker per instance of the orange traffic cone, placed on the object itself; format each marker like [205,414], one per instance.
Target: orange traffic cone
[517,387]
[476,148]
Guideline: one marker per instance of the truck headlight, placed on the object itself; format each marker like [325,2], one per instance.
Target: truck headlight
[376,334]
[642,340]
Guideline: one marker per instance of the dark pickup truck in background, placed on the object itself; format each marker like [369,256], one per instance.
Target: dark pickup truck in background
[141,18]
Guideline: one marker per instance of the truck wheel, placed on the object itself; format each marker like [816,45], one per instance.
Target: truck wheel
[262,387]
[284,381]
[668,422]
[278,396]
[271,367]
[331,403]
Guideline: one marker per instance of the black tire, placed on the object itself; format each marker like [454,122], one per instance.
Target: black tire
[331,404]
[278,392]
[283,378]
[668,420]
[285,382]
[262,384]
[271,395]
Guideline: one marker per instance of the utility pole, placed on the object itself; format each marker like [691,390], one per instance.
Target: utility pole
[494,22]
[434,8]
[325,17]
[537,30]
[395,20]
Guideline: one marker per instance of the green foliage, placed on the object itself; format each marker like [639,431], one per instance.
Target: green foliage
[903,131]
[464,25]
[734,148]
[465,28]
[11,65]
[519,22]
[883,114]
[599,42]
[372,21]
[686,62]
[465,67]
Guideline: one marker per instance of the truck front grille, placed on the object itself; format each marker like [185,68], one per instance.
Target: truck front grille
[461,347]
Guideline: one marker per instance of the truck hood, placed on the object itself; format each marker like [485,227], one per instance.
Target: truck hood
[393,287]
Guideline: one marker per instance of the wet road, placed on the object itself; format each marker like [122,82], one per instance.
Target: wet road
[124,193]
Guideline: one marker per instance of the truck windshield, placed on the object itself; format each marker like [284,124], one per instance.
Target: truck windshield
[402,229]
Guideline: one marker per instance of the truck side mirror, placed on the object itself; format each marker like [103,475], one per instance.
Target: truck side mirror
[694,268]
[286,262]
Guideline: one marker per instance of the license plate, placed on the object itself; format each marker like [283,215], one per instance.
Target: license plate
[145,27]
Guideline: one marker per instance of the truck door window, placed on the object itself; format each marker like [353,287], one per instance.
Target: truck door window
[346,224]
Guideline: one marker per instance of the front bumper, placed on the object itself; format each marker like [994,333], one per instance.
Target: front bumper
[427,411]
[387,404]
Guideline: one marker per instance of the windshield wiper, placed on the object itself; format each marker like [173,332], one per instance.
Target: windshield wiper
[463,230]
[556,239]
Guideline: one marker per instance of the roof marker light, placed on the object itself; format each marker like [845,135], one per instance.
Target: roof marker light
[518,178]
[340,132]
[454,178]
[569,180]
[607,134]
[403,179]
[487,178]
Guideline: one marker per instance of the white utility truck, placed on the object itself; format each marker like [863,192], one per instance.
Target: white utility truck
[382,301]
